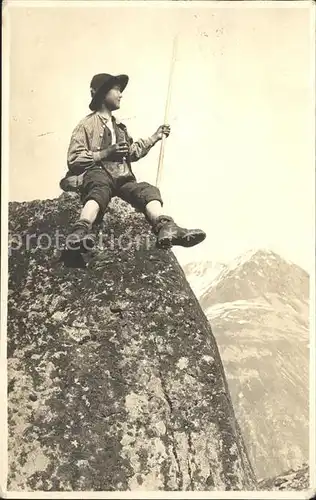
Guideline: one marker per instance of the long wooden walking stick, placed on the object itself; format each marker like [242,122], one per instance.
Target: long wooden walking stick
[162,145]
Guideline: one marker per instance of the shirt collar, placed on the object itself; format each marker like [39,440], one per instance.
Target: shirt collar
[104,119]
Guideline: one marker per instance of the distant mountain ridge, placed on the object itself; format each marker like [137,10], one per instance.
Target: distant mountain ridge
[258,272]
[259,309]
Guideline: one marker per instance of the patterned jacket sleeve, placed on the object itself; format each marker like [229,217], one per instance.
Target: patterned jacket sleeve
[139,148]
[79,156]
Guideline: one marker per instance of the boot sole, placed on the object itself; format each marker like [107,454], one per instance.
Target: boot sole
[190,240]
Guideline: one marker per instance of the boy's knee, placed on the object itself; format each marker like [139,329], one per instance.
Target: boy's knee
[148,193]
[101,195]
[139,194]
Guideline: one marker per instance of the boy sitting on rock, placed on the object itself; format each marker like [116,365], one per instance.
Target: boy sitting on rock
[99,162]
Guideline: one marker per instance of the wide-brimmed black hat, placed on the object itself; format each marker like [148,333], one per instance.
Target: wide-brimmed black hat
[101,84]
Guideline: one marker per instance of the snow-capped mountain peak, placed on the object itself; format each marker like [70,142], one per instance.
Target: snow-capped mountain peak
[256,274]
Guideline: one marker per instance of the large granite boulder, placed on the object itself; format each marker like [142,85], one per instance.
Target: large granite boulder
[115,381]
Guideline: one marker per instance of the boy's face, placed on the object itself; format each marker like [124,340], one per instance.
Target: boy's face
[113,97]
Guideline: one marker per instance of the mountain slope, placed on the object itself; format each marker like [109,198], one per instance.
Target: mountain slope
[290,480]
[202,274]
[258,307]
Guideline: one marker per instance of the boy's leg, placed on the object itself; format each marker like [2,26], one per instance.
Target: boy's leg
[144,197]
[90,211]
[97,191]
[153,210]
[147,198]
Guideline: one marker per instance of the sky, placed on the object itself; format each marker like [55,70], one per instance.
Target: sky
[239,162]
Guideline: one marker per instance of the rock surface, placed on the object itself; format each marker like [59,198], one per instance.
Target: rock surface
[290,480]
[114,377]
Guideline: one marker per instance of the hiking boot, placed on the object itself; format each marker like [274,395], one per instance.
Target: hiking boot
[169,234]
[80,238]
